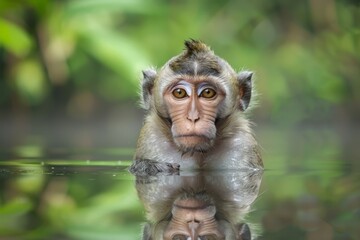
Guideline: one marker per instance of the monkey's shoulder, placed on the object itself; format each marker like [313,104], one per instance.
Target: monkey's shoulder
[241,152]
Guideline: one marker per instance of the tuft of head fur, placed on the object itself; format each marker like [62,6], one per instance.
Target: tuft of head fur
[197,59]
[196,46]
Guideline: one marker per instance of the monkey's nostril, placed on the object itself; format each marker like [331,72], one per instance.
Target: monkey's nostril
[193,116]
[193,119]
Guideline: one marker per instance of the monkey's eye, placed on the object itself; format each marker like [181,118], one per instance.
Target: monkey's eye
[179,237]
[208,93]
[179,93]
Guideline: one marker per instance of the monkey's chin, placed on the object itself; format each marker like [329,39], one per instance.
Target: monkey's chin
[193,143]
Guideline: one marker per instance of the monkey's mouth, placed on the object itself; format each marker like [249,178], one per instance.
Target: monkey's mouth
[191,203]
[193,139]
[191,135]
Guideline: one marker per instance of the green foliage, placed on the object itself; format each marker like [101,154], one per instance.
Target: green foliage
[14,39]
[296,50]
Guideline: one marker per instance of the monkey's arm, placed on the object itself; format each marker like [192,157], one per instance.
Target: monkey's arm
[149,158]
[150,167]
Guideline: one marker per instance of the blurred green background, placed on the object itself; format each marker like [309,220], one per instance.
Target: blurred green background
[83,59]
[69,81]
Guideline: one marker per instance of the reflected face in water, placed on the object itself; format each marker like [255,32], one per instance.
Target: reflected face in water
[193,219]
[198,205]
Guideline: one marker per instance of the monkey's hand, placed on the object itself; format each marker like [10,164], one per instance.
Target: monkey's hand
[151,167]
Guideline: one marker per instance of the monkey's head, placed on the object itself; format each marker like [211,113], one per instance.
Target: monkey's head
[193,93]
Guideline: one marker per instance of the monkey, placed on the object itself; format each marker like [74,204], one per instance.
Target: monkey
[195,115]
[199,205]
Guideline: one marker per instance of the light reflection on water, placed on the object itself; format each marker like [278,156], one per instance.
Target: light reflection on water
[78,194]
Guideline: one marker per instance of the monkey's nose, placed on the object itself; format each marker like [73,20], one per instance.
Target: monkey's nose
[193,115]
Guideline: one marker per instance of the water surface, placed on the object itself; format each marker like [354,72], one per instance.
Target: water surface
[88,194]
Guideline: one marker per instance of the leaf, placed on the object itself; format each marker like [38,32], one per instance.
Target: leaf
[14,39]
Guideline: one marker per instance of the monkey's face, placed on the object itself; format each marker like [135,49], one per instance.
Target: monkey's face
[193,91]
[192,104]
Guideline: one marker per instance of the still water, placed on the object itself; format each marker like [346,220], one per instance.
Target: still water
[89,194]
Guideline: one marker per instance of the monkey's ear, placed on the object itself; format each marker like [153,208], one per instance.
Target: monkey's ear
[245,85]
[243,231]
[147,85]
[147,232]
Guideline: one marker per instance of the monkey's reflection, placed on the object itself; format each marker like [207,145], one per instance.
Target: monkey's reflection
[198,206]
